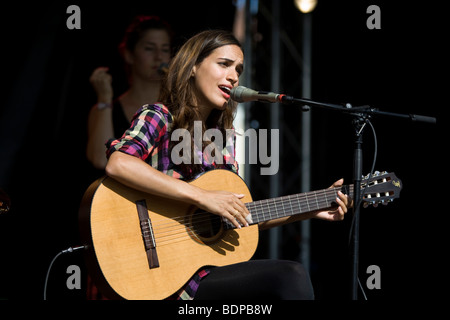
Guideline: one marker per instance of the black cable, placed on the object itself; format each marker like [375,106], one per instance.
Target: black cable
[68,250]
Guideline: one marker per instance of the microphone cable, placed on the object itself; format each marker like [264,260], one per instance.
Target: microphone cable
[68,250]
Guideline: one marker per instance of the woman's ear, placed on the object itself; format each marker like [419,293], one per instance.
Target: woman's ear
[194,70]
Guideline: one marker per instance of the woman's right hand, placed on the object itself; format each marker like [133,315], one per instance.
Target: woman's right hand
[227,205]
[101,81]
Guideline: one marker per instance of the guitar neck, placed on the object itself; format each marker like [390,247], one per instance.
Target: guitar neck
[270,209]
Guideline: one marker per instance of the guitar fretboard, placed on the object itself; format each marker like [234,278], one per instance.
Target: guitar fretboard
[270,209]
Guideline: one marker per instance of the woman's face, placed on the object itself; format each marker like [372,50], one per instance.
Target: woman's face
[216,75]
[150,52]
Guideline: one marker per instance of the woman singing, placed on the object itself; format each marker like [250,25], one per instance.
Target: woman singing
[197,90]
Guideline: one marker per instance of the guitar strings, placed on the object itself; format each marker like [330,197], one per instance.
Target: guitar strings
[174,229]
[170,229]
[267,203]
[178,232]
[257,209]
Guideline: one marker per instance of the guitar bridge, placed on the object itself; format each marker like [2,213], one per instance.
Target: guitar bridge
[147,234]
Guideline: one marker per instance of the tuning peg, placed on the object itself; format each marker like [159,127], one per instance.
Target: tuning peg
[376,173]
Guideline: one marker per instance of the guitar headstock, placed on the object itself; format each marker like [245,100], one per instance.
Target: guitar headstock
[382,187]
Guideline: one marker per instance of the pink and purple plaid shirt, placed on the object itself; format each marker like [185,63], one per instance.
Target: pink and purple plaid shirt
[148,139]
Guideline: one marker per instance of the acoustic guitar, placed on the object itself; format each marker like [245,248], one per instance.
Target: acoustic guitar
[142,246]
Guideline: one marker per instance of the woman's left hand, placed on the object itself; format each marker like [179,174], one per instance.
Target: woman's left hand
[344,203]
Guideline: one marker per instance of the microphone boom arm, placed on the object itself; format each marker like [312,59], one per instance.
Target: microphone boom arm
[367,110]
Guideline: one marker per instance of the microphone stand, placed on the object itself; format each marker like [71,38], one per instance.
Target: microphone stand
[361,115]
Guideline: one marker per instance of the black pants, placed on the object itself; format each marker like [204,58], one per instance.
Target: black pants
[257,279]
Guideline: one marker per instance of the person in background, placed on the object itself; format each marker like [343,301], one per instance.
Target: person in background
[146,51]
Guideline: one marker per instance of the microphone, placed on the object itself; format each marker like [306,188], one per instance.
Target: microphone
[243,94]
[163,69]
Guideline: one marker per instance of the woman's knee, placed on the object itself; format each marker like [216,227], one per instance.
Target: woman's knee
[294,281]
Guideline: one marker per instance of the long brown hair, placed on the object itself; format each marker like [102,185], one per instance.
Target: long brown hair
[178,90]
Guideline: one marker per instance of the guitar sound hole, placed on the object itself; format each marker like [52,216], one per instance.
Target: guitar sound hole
[206,226]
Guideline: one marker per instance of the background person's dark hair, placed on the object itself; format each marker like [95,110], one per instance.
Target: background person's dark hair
[138,27]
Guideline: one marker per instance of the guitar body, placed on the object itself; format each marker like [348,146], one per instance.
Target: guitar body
[117,258]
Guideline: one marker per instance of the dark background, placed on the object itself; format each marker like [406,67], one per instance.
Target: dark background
[400,68]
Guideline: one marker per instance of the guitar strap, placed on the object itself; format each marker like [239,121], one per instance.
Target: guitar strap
[147,234]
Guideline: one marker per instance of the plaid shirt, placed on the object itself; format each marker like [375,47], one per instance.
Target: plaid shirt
[148,139]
